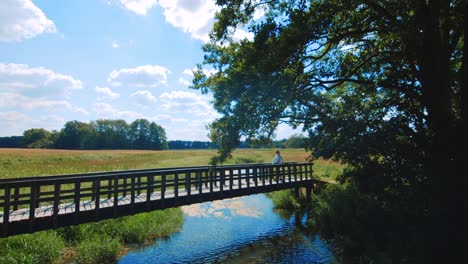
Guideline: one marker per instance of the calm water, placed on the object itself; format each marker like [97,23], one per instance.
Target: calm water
[239,230]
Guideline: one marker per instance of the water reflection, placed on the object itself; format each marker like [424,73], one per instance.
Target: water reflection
[239,230]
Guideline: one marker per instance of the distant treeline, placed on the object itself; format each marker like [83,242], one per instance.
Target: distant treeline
[100,134]
[117,134]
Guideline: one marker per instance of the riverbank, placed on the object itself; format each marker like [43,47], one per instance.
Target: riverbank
[102,242]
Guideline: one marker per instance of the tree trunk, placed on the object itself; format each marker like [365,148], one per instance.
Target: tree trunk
[436,91]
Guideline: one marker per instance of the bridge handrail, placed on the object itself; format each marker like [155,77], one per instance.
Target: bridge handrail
[138,172]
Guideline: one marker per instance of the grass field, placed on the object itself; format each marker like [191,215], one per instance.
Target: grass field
[36,162]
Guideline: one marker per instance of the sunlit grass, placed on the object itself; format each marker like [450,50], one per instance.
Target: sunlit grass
[36,162]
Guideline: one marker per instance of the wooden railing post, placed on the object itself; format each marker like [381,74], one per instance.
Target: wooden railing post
[188,183]
[56,203]
[16,198]
[163,186]
[77,199]
[211,171]
[255,176]
[6,211]
[200,183]
[221,184]
[149,190]
[132,192]
[231,179]
[97,197]
[109,188]
[116,195]
[176,185]
[32,205]
[247,178]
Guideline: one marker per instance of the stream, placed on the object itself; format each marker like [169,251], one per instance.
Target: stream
[239,230]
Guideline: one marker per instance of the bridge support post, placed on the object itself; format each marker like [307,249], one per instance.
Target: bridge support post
[308,191]
[296,192]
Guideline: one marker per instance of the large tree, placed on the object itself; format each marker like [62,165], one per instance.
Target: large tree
[380,85]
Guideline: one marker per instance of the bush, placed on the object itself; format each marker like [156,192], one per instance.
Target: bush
[41,247]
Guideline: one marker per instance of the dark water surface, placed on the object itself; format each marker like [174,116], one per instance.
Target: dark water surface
[239,230]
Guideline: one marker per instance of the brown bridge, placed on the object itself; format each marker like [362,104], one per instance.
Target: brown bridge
[39,203]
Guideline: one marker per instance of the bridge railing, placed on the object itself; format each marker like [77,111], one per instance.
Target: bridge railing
[87,191]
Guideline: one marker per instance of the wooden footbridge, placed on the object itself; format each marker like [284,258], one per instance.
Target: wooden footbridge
[39,203]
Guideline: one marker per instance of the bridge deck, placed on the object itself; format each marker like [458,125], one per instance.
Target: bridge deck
[38,203]
[68,208]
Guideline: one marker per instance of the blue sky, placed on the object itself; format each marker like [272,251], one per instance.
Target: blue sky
[105,59]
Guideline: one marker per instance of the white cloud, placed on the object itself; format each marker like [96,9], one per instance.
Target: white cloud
[13,100]
[139,7]
[107,111]
[115,44]
[193,16]
[189,103]
[184,82]
[37,82]
[144,97]
[21,20]
[141,76]
[240,34]
[14,123]
[105,93]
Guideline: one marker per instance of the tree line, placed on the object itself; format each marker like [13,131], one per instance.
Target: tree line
[99,134]
[117,134]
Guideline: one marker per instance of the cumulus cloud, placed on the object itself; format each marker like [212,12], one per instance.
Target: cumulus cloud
[21,20]
[14,123]
[189,103]
[144,97]
[14,100]
[105,93]
[139,7]
[141,76]
[35,81]
[192,16]
[107,111]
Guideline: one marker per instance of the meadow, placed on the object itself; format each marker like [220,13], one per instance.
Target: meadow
[105,241]
[17,163]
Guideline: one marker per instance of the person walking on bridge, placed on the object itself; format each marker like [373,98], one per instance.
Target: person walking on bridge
[277,160]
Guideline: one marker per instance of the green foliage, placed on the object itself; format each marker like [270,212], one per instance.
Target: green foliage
[100,134]
[380,86]
[37,138]
[365,229]
[285,200]
[41,247]
[97,249]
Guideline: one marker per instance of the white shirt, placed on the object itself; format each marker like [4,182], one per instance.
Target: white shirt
[277,159]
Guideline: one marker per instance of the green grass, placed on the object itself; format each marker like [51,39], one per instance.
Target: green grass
[41,247]
[16,163]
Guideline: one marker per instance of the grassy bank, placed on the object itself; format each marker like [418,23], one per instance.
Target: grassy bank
[105,241]
[101,242]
